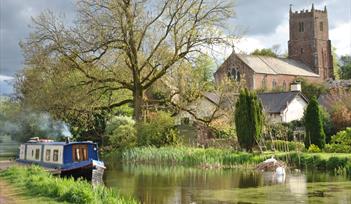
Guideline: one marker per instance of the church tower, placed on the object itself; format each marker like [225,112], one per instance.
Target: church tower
[309,40]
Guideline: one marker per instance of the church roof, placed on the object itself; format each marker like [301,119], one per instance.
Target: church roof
[272,65]
[276,102]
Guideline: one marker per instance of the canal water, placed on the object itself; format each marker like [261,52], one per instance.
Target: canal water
[175,184]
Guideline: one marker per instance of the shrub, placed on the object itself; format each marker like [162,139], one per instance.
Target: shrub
[336,162]
[249,119]
[337,148]
[121,132]
[158,131]
[342,137]
[285,146]
[314,149]
[314,125]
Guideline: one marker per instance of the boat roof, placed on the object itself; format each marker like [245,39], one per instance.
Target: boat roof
[59,143]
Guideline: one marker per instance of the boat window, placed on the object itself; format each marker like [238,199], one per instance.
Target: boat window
[37,151]
[47,155]
[80,152]
[55,156]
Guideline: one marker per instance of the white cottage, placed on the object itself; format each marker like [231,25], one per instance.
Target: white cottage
[284,106]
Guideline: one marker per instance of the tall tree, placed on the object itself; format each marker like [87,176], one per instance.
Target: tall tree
[314,125]
[132,43]
[345,67]
[249,119]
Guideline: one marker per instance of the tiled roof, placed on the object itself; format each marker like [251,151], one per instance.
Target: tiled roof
[272,65]
[276,102]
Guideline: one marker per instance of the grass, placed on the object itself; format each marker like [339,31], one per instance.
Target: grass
[37,182]
[187,156]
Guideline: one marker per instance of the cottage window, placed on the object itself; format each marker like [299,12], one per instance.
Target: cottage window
[55,155]
[37,154]
[47,154]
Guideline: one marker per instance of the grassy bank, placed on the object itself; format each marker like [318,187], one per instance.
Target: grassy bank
[37,182]
[340,163]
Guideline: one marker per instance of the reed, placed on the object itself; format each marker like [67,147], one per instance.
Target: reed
[210,157]
[37,182]
[189,156]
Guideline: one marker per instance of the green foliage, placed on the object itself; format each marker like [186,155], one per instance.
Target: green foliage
[225,132]
[345,67]
[37,181]
[158,131]
[337,148]
[264,52]
[342,137]
[340,143]
[248,119]
[314,149]
[314,125]
[285,146]
[121,132]
[312,89]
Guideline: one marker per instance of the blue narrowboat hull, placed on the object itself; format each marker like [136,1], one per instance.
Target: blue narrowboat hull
[82,169]
[75,159]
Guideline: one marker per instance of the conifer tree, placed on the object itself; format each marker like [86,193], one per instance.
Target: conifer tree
[248,119]
[314,125]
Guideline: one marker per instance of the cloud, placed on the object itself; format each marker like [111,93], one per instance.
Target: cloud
[15,18]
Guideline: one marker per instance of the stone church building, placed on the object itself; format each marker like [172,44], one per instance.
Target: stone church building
[309,56]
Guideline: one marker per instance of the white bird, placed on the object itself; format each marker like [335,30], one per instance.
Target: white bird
[271,160]
[280,171]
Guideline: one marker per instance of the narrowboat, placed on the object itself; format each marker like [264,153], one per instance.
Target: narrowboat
[76,159]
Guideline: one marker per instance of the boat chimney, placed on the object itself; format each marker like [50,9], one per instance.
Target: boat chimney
[67,140]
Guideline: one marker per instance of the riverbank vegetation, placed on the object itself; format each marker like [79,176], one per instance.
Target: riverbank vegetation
[224,158]
[37,182]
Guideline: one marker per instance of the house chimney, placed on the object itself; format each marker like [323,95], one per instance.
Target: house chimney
[295,86]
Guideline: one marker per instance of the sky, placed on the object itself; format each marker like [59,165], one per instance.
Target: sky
[264,24]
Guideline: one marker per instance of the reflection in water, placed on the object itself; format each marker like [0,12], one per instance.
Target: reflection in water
[160,184]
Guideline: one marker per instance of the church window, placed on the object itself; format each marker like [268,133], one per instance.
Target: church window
[301,27]
[284,85]
[264,83]
[274,84]
[301,50]
[321,26]
[234,74]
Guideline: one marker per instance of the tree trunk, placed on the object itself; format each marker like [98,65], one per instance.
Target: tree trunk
[138,103]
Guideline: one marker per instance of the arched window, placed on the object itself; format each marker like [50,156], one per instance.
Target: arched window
[234,74]
[274,84]
[284,85]
[264,83]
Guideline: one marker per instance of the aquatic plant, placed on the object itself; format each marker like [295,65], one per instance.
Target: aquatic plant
[36,181]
